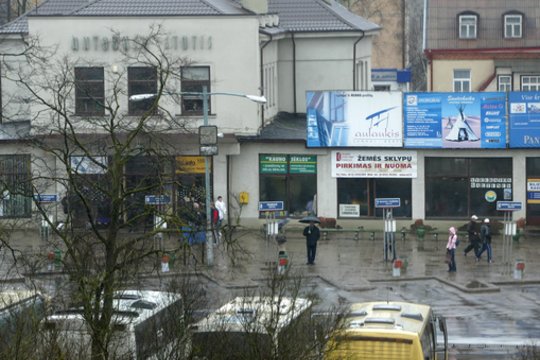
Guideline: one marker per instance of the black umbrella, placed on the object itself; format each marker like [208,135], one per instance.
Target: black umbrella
[310,218]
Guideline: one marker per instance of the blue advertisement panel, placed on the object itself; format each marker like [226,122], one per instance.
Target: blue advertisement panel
[354,119]
[455,120]
[524,119]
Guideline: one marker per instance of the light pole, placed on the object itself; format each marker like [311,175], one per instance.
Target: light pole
[207,151]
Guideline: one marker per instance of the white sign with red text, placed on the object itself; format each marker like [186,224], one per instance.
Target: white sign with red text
[373,164]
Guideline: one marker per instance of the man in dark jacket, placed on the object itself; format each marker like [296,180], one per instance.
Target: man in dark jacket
[474,239]
[485,235]
[312,234]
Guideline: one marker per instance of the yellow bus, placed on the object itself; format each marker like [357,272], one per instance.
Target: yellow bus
[389,330]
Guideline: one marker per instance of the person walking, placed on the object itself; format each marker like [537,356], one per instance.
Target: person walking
[451,249]
[474,239]
[222,209]
[485,236]
[312,234]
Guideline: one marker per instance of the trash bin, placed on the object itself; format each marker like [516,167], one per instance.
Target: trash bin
[519,269]
[396,268]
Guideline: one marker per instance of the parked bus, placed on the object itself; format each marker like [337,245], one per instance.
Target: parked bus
[254,328]
[389,330]
[20,314]
[146,325]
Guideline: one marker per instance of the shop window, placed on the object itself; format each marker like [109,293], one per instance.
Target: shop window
[356,196]
[468,25]
[89,91]
[460,187]
[513,26]
[194,78]
[291,179]
[462,80]
[504,83]
[190,190]
[141,80]
[16,187]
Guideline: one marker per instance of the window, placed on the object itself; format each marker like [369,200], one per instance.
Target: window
[513,25]
[462,80]
[15,186]
[291,179]
[460,187]
[89,91]
[381,87]
[530,83]
[141,80]
[504,83]
[193,80]
[468,24]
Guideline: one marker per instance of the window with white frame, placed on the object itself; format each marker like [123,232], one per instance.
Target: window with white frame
[530,83]
[16,187]
[513,26]
[468,25]
[141,80]
[89,91]
[193,80]
[462,80]
[504,83]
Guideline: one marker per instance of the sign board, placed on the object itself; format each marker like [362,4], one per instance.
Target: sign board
[371,163]
[271,205]
[387,202]
[508,205]
[524,119]
[157,199]
[46,197]
[349,210]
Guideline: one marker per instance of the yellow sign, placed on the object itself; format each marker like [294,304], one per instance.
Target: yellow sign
[190,164]
[244,198]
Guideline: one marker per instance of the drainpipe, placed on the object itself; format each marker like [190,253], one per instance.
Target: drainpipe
[294,71]
[261,69]
[404,37]
[228,164]
[354,60]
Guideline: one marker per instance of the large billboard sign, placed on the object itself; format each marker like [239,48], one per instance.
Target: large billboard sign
[524,119]
[354,119]
[374,164]
[455,120]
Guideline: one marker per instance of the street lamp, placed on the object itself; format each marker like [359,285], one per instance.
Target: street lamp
[208,147]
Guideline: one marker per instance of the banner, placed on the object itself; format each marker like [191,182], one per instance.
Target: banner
[524,119]
[190,164]
[354,119]
[373,164]
[455,120]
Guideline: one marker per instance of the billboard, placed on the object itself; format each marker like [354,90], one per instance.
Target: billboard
[374,164]
[524,119]
[354,119]
[455,120]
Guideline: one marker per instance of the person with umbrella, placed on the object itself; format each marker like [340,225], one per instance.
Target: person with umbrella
[312,234]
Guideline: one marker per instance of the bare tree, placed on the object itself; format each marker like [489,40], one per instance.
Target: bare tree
[104,209]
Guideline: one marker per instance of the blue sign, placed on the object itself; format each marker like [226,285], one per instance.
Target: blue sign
[271,205]
[45,198]
[524,119]
[387,202]
[508,205]
[455,120]
[157,199]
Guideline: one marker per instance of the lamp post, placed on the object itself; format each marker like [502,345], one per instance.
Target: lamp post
[208,147]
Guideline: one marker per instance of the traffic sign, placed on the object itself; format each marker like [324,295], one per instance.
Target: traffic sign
[271,205]
[387,202]
[157,199]
[508,205]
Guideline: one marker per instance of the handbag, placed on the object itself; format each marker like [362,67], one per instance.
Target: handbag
[448,258]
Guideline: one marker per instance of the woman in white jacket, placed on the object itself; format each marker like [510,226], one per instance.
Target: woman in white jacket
[451,249]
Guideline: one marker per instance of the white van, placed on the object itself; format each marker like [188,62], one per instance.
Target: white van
[146,325]
[254,328]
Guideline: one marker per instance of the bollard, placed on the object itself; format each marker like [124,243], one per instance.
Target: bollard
[57,258]
[396,269]
[165,263]
[50,257]
[283,262]
[519,269]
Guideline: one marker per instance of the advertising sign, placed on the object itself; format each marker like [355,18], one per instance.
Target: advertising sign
[271,205]
[524,119]
[303,164]
[533,191]
[370,163]
[455,120]
[190,164]
[273,164]
[354,119]
[349,210]
[387,202]
[508,205]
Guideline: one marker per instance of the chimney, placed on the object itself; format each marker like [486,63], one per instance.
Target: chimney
[257,6]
